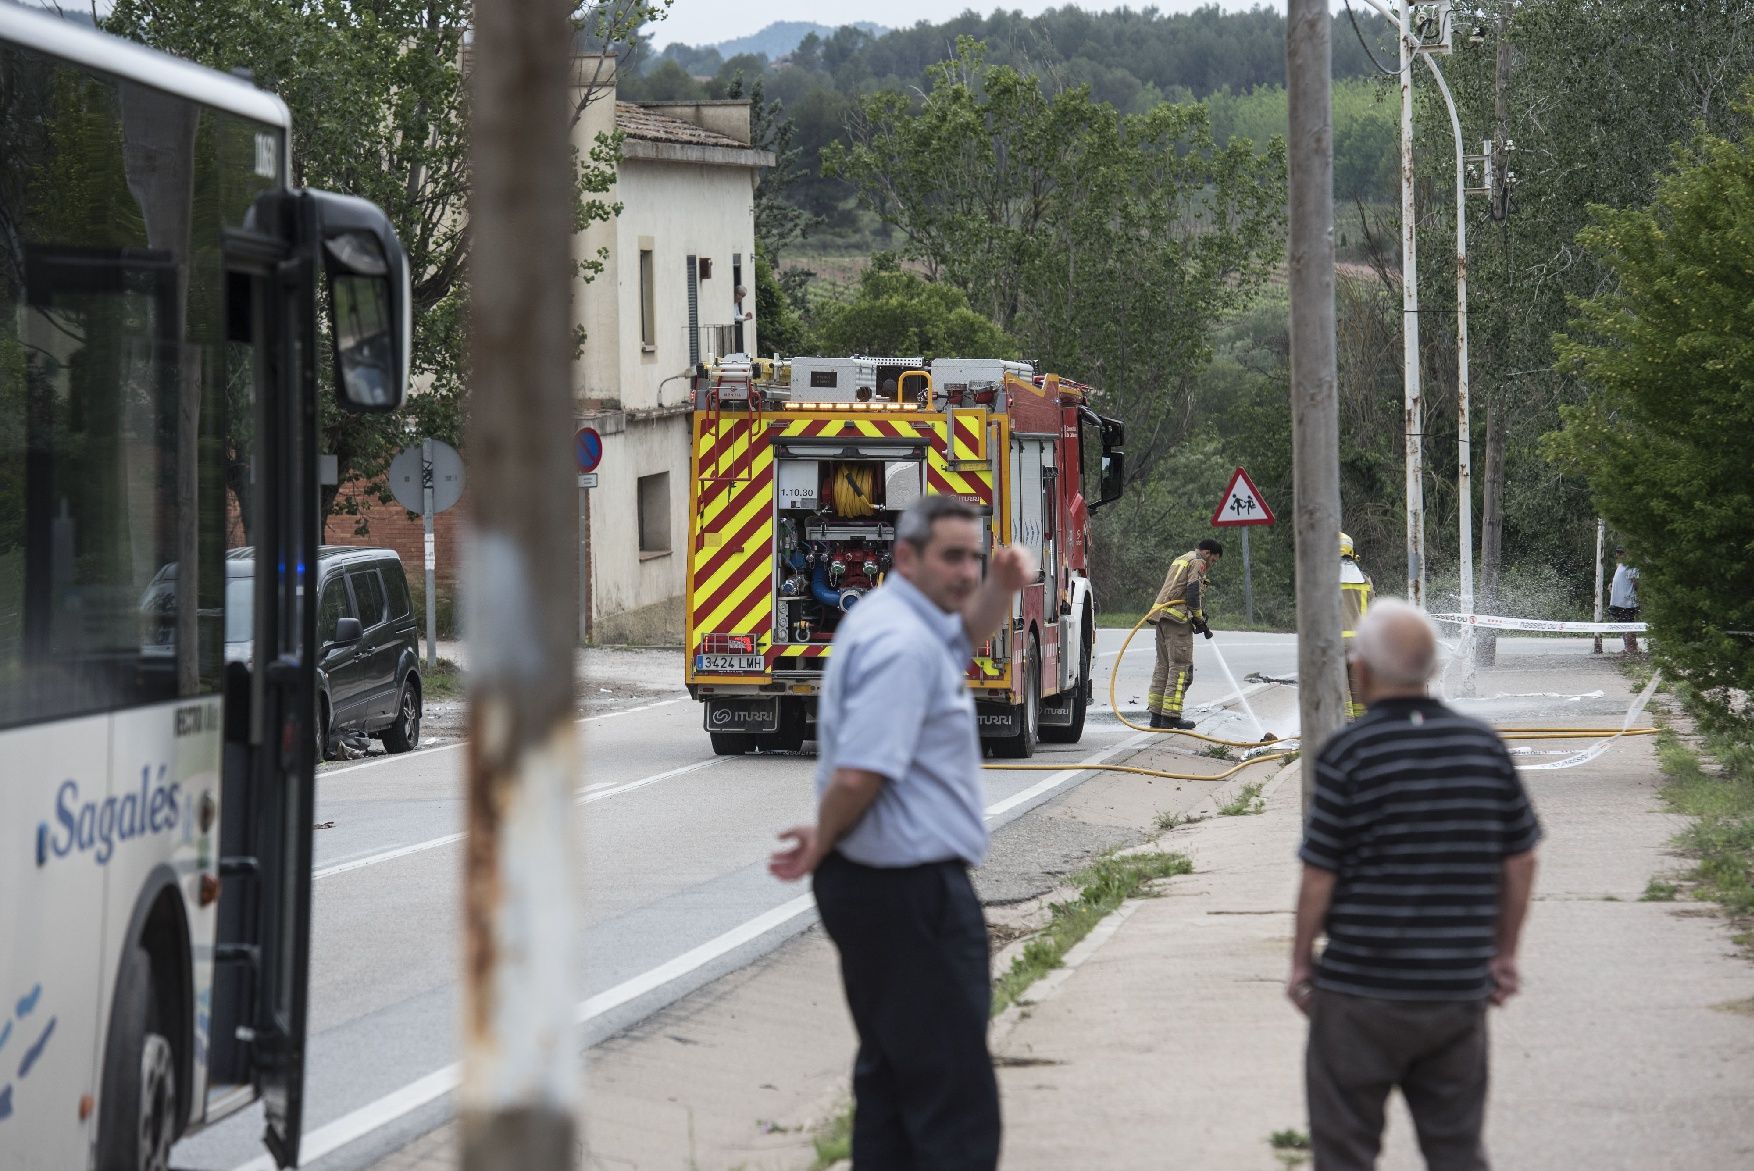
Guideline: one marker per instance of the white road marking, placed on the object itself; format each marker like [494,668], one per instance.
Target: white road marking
[434,751]
[590,794]
[349,1127]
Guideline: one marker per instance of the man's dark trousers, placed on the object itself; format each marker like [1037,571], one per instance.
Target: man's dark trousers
[1361,1047]
[913,959]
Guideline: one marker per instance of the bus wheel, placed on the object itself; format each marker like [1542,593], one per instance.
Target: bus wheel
[137,1122]
[404,734]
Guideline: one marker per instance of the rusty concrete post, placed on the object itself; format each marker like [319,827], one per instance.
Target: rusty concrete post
[1315,410]
[1414,405]
[520,1056]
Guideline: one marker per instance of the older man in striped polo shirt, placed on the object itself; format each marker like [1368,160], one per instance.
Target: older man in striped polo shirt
[1418,860]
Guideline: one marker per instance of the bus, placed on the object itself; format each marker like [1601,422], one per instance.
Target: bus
[159,345]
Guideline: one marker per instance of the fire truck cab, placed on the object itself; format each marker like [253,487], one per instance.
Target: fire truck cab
[800,472]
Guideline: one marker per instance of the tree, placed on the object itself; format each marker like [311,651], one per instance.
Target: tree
[1664,434]
[377,94]
[1595,96]
[1108,244]
[901,314]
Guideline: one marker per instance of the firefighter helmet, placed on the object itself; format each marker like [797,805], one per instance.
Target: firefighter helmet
[1346,546]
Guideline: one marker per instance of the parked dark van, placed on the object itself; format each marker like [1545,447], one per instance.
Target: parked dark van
[368,657]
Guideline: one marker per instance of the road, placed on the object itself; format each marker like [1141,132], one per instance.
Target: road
[673,891]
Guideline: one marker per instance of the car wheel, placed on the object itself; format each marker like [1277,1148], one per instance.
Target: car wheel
[323,738]
[138,1116]
[403,734]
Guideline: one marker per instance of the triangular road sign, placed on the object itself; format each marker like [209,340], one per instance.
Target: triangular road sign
[1242,503]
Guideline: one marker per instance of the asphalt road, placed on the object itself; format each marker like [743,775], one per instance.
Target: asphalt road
[673,892]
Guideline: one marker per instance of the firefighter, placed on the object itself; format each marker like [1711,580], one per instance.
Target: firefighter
[1356,591]
[1178,617]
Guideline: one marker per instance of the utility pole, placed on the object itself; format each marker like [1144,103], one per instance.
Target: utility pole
[1315,410]
[1413,405]
[1492,495]
[519,1093]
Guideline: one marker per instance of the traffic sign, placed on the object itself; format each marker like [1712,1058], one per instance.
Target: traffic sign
[587,479]
[587,448]
[1242,503]
[408,475]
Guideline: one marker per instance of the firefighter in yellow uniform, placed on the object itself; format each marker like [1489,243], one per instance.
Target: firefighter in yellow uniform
[1178,617]
[1356,591]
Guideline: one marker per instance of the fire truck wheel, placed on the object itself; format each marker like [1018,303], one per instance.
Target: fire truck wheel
[1074,732]
[731,744]
[1021,745]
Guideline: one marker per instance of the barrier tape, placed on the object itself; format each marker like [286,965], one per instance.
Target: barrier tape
[1601,746]
[1495,622]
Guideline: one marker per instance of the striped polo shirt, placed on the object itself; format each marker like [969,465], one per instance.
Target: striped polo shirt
[1416,808]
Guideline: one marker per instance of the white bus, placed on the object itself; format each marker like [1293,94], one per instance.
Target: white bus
[158,341]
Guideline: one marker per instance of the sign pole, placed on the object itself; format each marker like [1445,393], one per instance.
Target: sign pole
[431,559]
[1601,534]
[1248,582]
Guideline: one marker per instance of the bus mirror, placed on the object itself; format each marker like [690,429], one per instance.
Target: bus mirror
[370,316]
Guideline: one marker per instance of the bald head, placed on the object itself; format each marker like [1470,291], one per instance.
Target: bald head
[1397,644]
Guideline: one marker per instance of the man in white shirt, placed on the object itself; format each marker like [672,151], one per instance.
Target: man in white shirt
[1623,597]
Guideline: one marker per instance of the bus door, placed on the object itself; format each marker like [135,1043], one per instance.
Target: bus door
[262,952]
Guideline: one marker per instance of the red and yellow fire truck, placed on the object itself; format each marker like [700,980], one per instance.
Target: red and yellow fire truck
[800,472]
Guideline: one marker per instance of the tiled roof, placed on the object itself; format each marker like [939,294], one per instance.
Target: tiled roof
[636,121]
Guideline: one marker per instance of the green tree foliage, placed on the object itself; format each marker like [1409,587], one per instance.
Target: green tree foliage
[1663,437]
[1130,59]
[1597,94]
[377,95]
[1108,244]
[901,314]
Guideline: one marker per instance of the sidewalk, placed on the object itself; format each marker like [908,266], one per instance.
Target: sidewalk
[1171,1044]
[1166,1041]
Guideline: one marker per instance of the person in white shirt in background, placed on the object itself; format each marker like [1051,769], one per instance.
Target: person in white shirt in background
[1623,597]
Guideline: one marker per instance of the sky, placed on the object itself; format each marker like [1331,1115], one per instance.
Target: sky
[706,22]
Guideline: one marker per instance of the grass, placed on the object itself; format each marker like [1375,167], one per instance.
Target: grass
[835,1141]
[1171,819]
[1247,800]
[445,681]
[1217,752]
[1102,887]
[1721,838]
[1291,1146]
[1659,891]
[1107,883]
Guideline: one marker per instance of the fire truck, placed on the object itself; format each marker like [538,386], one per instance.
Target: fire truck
[800,471]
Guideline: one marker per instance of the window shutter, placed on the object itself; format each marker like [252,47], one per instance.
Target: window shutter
[693,312]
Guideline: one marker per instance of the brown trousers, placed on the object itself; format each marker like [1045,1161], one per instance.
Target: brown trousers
[1361,1048]
[1174,672]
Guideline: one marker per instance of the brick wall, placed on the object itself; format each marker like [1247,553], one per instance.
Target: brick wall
[393,527]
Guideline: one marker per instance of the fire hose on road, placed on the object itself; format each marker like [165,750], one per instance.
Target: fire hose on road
[1604,735]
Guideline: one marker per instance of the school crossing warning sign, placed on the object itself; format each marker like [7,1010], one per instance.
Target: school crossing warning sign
[1242,503]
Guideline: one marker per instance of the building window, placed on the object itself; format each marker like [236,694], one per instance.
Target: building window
[654,514]
[648,305]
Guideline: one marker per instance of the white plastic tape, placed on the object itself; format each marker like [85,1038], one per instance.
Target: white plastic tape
[1601,746]
[1495,622]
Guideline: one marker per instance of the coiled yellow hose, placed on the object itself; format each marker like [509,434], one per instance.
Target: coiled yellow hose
[855,489]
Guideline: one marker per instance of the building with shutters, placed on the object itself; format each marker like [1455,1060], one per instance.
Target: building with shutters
[664,302]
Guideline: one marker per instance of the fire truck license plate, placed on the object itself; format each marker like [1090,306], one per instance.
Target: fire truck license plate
[729,663]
